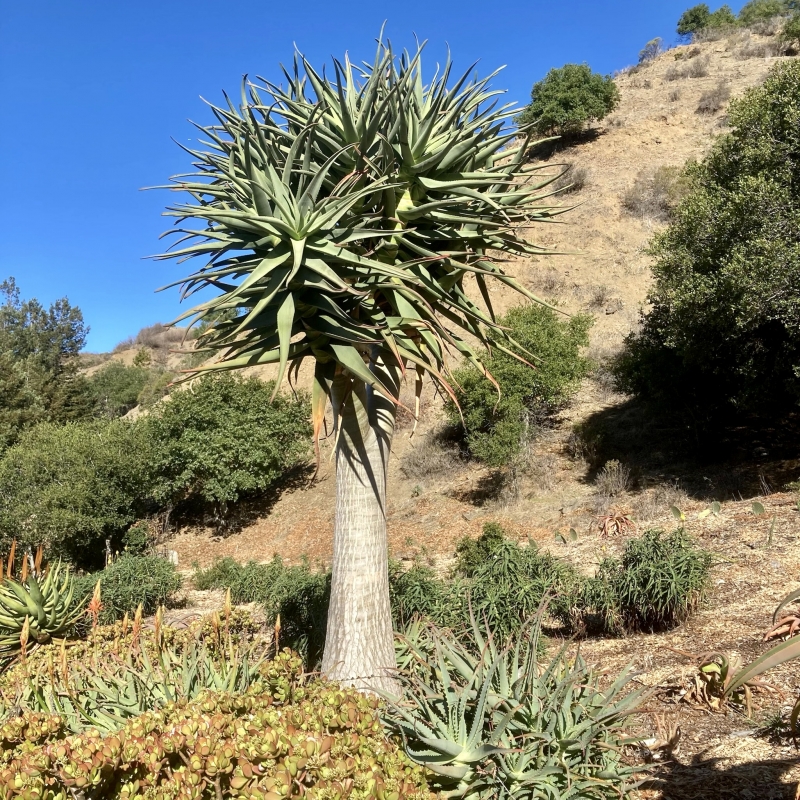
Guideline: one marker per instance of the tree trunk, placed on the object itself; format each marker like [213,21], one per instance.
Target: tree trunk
[359,645]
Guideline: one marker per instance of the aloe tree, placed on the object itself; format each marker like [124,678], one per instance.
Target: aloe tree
[358,220]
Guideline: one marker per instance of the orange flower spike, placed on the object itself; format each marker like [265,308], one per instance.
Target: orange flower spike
[159,624]
[95,605]
[23,638]
[11,554]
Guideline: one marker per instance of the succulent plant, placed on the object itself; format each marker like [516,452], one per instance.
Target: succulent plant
[35,609]
[286,736]
[112,679]
[491,721]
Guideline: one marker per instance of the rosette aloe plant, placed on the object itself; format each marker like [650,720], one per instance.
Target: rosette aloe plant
[355,221]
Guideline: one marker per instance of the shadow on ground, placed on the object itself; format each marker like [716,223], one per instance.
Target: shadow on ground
[712,780]
[746,458]
[232,519]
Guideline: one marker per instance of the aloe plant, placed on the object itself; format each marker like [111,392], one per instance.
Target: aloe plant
[130,675]
[492,721]
[36,609]
[347,220]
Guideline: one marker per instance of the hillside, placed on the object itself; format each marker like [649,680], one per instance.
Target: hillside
[435,498]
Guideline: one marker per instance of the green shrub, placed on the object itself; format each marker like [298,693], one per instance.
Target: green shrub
[298,594]
[508,587]
[497,580]
[723,17]
[471,554]
[722,332]
[656,585]
[757,11]
[700,18]
[567,99]
[156,387]
[149,581]
[226,438]
[694,20]
[222,574]
[790,35]
[419,592]
[490,718]
[137,540]
[287,735]
[116,388]
[72,486]
[495,430]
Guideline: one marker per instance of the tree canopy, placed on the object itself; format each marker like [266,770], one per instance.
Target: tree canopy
[723,328]
[569,98]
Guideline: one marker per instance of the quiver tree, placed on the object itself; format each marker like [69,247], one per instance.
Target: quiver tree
[346,220]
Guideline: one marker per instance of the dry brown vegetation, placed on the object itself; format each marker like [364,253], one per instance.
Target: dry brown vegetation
[155,337]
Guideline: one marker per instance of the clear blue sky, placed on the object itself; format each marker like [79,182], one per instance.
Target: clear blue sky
[92,92]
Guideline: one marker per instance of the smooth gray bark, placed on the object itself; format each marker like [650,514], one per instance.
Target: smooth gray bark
[359,645]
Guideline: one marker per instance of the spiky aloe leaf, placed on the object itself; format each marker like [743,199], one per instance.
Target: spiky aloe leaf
[789,598]
[341,219]
[46,607]
[781,653]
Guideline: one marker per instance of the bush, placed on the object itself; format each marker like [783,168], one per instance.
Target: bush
[656,194]
[790,36]
[757,11]
[573,179]
[537,728]
[497,580]
[137,540]
[699,19]
[287,733]
[756,49]
[569,98]
[714,99]
[225,438]
[116,388]
[723,17]
[471,554]
[656,585]
[131,581]
[157,386]
[506,583]
[419,592]
[70,487]
[698,68]
[495,430]
[722,334]
[432,456]
[299,595]
[154,337]
[694,19]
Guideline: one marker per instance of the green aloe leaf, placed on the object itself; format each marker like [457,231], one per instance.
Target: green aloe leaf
[782,652]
